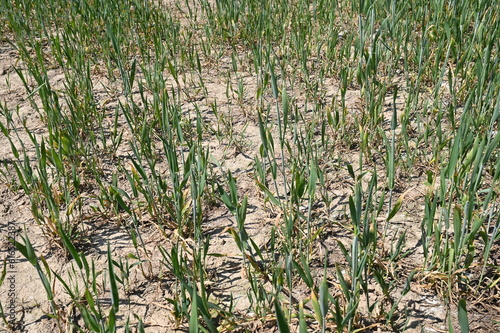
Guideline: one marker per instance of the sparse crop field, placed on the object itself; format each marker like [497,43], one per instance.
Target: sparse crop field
[249,166]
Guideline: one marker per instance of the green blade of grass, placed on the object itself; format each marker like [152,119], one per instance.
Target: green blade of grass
[280,318]
[115,299]
[193,318]
[463,319]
